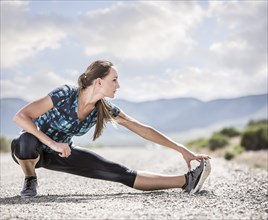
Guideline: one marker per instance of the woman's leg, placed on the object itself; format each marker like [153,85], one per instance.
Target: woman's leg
[85,163]
[25,151]
[88,164]
[191,182]
[28,166]
[153,181]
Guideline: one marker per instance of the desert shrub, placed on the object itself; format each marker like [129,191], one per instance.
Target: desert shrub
[233,151]
[218,141]
[258,122]
[230,132]
[4,144]
[255,136]
[198,144]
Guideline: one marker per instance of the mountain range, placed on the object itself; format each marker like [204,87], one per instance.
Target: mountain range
[179,118]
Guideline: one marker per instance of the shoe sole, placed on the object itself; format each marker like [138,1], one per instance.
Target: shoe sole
[205,173]
[24,197]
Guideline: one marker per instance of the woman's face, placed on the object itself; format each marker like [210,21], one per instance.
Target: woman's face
[109,84]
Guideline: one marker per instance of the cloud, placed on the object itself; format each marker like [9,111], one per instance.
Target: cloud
[24,34]
[239,52]
[244,51]
[209,84]
[204,84]
[142,30]
[229,67]
[235,14]
[152,42]
[32,87]
[245,48]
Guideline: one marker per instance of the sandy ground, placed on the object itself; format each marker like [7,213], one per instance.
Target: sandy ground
[231,192]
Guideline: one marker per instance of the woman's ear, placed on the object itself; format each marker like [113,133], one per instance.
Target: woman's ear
[98,82]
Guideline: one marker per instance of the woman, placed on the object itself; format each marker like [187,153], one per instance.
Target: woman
[50,123]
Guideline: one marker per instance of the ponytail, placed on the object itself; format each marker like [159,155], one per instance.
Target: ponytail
[103,117]
[97,69]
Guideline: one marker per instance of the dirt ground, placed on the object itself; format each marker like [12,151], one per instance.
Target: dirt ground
[231,192]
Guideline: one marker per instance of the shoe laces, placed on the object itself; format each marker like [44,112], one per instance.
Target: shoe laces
[29,182]
[192,172]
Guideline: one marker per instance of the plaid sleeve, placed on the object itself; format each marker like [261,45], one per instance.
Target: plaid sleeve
[59,95]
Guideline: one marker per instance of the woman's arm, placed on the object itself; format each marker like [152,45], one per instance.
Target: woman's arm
[24,118]
[151,134]
[147,132]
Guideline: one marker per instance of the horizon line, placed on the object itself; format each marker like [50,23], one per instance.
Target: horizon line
[161,99]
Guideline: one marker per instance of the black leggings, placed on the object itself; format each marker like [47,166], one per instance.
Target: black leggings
[81,162]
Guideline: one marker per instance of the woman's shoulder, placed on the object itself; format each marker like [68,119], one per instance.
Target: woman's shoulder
[70,88]
[62,94]
[66,90]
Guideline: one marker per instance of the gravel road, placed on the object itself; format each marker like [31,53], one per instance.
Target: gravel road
[231,192]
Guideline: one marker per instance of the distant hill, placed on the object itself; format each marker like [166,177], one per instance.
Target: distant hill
[182,114]
[170,116]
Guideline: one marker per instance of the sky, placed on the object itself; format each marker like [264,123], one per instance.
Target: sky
[161,49]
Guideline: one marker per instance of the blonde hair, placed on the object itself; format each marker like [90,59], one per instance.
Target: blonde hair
[97,69]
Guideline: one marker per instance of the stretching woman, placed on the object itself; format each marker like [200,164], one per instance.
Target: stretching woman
[50,123]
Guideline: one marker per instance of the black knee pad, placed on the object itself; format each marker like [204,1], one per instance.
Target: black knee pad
[25,147]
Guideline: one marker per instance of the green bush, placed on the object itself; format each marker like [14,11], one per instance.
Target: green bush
[218,141]
[4,144]
[230,132]
[233,151]
[198,144]
[255,136]
[258,122]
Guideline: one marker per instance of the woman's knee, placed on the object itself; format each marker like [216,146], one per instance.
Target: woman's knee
[25,146]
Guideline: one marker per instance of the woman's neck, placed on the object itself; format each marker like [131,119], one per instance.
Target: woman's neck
[86,103]
[88,97]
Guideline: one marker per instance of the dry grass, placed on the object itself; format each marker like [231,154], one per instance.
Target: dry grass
[255,159]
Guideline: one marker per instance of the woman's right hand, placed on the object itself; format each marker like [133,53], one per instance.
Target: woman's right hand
[63,149]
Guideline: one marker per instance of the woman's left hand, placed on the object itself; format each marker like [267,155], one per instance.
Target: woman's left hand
[189,156]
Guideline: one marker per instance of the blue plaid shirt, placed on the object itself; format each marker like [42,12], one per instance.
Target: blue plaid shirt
[61,122]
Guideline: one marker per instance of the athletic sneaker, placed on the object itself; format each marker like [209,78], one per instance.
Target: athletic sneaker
[196,178]
[29,187]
